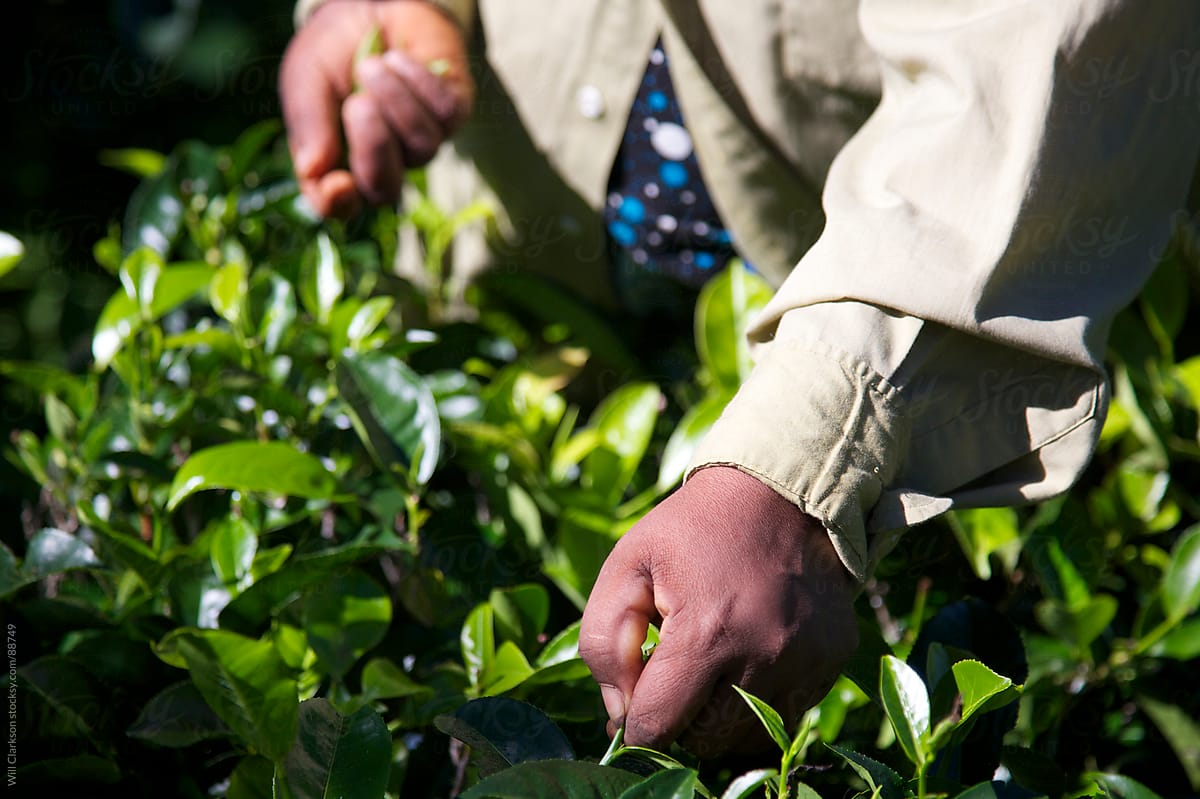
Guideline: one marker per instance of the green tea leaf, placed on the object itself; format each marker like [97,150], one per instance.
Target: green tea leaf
[245,682]
[325,278]
[121,317]
[478,643]
[981,688]
[1181,583]
[52,551]
[345,618]
[906,702]
[271,593]
[625,420]
[383,679]
[278,316]
[554,779]
[694,425]
[232,551]
[1182,643]
[368,317]
[504,732]
[521,612]
[508,669]
[11,252]
[136,161]
[77,392]
[393,411]
[1181,731]
[747,784]
[270,467]
[676,783]
[723,312]
[227,291]
[71,692]
[1081,625]
[1117,786]
[335,756]
[177,717]
[983,532]
[879,777]
[770,719]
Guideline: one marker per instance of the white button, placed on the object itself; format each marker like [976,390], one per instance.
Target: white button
[590,101]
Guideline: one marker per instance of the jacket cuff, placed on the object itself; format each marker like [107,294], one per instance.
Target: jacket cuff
[823,430]
[461,11]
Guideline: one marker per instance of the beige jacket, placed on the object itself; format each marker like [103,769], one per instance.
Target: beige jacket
[937,337]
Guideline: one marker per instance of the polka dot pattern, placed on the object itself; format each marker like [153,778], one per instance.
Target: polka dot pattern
[659,215]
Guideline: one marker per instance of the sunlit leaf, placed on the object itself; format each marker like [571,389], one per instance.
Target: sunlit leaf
[625,420]
[724,309]
[232,551]
[685,438]
[393,411]
[383,679]
[478,643]
[906,702]
[675,783]
[121,317]
[1181,583]
[227,291]
[981,688]
[983,532]
[11,252]
[748,784]
[769,717]
[271,467]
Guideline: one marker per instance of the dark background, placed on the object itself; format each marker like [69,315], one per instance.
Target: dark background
[78,77]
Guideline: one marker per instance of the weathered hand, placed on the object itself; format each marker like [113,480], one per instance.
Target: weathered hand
[746,590]
[397,119]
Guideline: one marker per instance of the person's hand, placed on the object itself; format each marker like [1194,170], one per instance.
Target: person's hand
[397,118]
[746,590]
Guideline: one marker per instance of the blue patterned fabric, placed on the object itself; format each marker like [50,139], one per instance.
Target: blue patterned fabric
[659,216]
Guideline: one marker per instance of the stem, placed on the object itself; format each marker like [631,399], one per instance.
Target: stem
[921,779]
[1154,635]
[614,748]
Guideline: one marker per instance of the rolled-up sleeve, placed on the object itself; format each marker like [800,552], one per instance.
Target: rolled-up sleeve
[942,343]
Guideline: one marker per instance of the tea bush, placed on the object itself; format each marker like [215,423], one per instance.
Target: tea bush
[300,533]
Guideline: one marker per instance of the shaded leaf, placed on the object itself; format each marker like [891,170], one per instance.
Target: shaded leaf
[1181,731]
[344,618]
[1116,786]
[504,732]
[178,716]
[554,779]
[336,757]
[878,776]
[244,681]
[1081,625]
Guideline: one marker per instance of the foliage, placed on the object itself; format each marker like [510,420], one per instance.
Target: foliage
[299,533]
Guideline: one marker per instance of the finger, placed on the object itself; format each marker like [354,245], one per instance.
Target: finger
[415,125]
[445,99]
[333,194]
[375,157]
[311,112]
[676,682]
[619,610]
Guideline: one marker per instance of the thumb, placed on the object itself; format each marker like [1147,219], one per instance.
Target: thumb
[619,610]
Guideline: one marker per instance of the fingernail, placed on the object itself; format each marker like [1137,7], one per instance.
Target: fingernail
[399,61]
[614,703]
